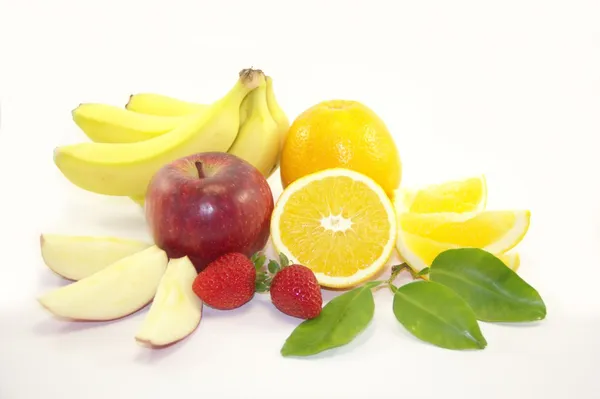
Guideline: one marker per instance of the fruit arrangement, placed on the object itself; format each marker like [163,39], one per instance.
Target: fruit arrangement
[200,172]
[128,148]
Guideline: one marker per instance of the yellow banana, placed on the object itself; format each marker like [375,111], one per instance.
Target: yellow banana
[279,116]
[276,112]
[104,123]
[257,141]
[139,199]
[244,112]
[125,169]
[158,104]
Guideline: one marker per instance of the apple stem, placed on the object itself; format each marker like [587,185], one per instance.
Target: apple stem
[200,169]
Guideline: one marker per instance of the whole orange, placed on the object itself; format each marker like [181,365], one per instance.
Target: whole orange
[341,133]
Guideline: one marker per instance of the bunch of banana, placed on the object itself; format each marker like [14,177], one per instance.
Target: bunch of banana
[130,144]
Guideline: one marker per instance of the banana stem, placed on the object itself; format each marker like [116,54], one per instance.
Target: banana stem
[251,78]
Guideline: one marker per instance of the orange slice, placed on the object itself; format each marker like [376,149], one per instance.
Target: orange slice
[466,195]
[423,236]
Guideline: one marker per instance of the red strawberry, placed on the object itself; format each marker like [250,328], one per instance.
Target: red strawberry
[296,292]
[227,282]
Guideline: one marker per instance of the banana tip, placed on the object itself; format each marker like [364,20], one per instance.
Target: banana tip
[55,154]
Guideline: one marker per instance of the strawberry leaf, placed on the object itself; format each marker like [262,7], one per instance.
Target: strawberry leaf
[283,260]
[262,282]
[261,287]
[262,276]
[259,260]
[273,267]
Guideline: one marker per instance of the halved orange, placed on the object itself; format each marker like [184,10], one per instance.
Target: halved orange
[337,222]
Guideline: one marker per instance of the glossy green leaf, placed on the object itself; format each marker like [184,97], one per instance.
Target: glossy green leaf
[341,320]
[436,314]
[494,292]
[423,272]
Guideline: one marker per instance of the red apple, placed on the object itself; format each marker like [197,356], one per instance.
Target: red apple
[208,204]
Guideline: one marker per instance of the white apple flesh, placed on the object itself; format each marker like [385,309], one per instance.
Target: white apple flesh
[77,257]
[114,292]
[175,311]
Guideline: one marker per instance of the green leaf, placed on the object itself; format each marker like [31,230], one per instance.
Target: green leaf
[494,292]
[273,267]
[436,314]
[340,321]
[423,272]
[283,260]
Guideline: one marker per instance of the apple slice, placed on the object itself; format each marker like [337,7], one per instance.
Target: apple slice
[77,257]
[114,292]
[176,311]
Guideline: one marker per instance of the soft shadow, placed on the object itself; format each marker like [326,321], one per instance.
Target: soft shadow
[277,314]
[329,294]
[57,326]
[49,280]
[150,355]
[233,313]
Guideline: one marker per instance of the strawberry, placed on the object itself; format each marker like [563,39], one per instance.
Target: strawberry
[226,283]
[295,291]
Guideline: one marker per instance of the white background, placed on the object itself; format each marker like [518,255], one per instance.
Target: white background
[506,88]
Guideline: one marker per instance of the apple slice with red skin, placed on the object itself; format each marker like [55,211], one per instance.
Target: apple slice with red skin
[116,291]
[175,311]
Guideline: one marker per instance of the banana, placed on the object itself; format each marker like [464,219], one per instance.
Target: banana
[158,104]
[279,116]
[276,112]
[104,123]
[257,141]
[125,169]
[139,199]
